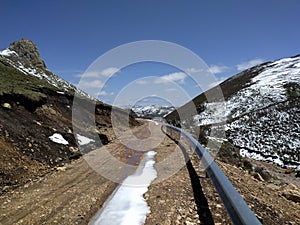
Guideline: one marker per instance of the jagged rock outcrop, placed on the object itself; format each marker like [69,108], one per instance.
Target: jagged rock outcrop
[24,56]
[28,53]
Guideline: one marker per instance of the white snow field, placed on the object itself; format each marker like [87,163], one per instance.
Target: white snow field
[264,123]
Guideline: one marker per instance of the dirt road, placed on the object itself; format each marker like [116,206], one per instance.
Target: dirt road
[74,193]
[68,195]
[181,194]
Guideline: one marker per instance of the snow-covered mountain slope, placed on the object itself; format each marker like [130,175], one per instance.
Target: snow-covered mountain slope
[152,111]
[23,55]
[261,111]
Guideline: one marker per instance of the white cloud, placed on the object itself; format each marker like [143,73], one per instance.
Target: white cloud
[217,69]
[249,64]
[96,74]
[91,84]
[88,75]
[142,82]
[193,70]
[146,100]
[172,77]
[104,93]
[213,69]
[109,71]
[171,89]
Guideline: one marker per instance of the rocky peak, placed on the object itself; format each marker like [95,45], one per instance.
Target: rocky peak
[24,56]
[28,53]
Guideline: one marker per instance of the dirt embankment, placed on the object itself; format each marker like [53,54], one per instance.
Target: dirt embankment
[26,151]
[70,194]
[189,197]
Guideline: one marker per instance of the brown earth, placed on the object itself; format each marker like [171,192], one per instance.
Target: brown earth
[72,194]
[68,196]
[26,152]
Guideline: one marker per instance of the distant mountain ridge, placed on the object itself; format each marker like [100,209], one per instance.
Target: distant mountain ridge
[261,112]
[152,111]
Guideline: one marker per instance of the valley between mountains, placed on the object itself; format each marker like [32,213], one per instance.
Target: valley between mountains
[47,171]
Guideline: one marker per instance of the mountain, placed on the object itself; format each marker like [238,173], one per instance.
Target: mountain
[151,111]
[260,112]
[24,56]
[36,129]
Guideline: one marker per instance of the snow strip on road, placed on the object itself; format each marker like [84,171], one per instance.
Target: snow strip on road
[127,205]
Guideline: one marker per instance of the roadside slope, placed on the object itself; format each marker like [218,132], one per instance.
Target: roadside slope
[189,197]
[36,125]
[70,194]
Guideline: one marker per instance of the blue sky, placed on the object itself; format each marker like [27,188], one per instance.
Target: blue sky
[228,35]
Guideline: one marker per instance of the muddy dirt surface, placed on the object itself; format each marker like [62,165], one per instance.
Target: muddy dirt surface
[62,197]
[181,194]
[70,194]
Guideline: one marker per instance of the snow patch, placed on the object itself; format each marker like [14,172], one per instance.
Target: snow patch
[82,140]
[274,158]
[253,155]
[7,52]
[127,205]
[58,138]
[215,112]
